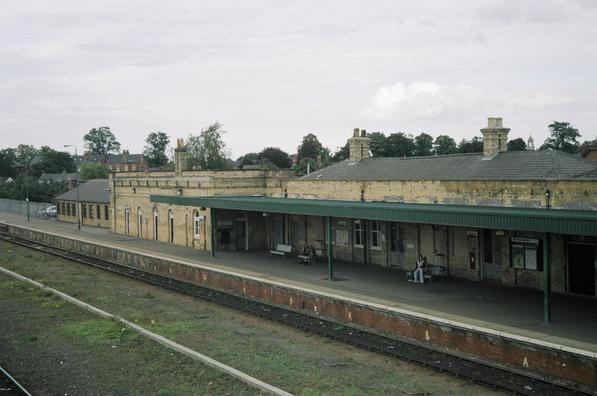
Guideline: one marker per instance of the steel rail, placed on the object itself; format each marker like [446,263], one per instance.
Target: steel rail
[459,366]
[19,390]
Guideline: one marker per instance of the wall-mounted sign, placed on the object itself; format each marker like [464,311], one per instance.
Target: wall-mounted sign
[526,253]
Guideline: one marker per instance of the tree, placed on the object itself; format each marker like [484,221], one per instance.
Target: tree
[52,161]
[517,144]
[90,171]
[444,144]
[309,148]
[155,151]
[423,144]
[208,150]
[378,144]
[563,137]
[342,154]
[399,145]
[8,162]
[585,145]
[475,145]
[248,159]
[274,155]
[305,164]
[25,154]
[101,141]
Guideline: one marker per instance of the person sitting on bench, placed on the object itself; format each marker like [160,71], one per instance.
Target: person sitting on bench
[420,269]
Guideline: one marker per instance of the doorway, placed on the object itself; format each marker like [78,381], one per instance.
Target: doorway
[127,221]
[171,227]
[396,245]
[491,269]
[581,268]
[278,237]
[240,235]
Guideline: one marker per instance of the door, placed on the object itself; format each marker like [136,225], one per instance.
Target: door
[491,270]
[581,268]
[240,234]
[278,236]
[396,245]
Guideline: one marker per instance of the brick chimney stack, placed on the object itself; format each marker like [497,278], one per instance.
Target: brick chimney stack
[180,156]
[359,145]
[495,137]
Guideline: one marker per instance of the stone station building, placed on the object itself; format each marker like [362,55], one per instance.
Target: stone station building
[525,218]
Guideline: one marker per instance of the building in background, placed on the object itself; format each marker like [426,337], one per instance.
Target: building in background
[123,162]
[496,216]
[93,204]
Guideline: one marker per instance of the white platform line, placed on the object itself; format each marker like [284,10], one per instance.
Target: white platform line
[156,337]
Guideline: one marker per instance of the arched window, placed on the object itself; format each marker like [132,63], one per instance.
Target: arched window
[127,221]
[196,224]
[139,223]
[155,223]
[171,226]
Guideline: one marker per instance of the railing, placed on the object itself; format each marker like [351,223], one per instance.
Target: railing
[36,209]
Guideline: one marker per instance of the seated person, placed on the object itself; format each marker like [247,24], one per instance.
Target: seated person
[419,270]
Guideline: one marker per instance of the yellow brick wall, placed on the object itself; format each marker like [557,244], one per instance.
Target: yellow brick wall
[91,221]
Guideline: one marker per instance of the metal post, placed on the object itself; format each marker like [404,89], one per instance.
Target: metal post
[78,202]
[212,215]
[328,223]
[547,279]
[27,190]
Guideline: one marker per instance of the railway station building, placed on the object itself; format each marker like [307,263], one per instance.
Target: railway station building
[521,218]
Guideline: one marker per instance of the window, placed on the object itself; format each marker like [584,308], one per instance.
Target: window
[155,224]
[98,212]
[68,209]
[526,253]
[106,213]
[359,233]
[196,225]
[90,210]
[84,210]
[375,234]
[127,221]
[171,226]
[73,209]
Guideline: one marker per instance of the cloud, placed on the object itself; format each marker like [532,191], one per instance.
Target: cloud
[419,100]
[538,100]
[427,100]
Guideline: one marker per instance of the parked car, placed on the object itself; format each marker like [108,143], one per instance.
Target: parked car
[49,211]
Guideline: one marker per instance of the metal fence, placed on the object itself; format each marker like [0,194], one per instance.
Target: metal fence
[36,209]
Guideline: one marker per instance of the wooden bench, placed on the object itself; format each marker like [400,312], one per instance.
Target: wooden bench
[432,270]
[281,250]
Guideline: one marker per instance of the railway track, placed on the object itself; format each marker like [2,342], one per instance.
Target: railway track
[477,372]
[10,386]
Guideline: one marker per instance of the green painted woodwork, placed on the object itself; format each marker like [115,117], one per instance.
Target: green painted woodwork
[557,221]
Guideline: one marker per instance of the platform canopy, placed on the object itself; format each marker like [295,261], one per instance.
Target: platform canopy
[557,221]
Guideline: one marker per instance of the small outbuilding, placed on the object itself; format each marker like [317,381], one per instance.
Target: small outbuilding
[90,203]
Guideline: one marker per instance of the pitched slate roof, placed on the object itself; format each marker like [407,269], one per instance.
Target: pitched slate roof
[91,191]
[63,177]
[510,165]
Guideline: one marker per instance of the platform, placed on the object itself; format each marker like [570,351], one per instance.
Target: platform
[511,311]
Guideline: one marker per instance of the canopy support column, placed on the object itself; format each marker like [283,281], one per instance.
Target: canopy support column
[328,226]
[547,279]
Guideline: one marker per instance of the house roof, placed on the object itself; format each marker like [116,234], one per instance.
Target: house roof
[112,158]
[509,165]
[47,177]
[95,190]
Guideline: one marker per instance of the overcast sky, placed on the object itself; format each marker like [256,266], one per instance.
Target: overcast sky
[272,71]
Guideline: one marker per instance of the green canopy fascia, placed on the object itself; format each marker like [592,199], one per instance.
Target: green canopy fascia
[557,221]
